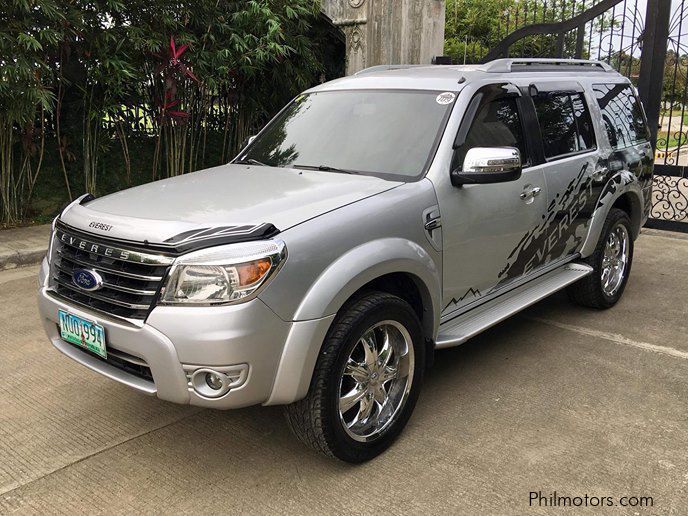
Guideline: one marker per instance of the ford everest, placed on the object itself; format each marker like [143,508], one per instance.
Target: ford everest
[376,218]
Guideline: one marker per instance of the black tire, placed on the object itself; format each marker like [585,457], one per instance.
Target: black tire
[588,291]
[315,420]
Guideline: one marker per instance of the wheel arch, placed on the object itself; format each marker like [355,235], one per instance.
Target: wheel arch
[621,191]
[631,204]
[411,289]
[397,266]
[380,262]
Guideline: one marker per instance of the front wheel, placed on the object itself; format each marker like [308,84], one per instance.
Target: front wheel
[366,380]
[611,262]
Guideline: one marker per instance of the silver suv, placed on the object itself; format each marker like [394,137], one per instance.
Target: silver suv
[375,219]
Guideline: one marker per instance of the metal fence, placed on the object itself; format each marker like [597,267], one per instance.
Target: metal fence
[670,203]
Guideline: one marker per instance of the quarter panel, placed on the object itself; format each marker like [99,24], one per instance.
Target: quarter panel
[628,171]
[332,256]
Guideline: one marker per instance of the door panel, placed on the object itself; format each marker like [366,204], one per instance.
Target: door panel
[483,226]
[570,149]
[484,223]
[563,225]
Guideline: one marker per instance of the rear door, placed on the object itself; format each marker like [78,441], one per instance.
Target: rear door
[570,162]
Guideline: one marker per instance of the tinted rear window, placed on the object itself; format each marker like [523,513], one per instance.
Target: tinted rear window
[586,134]
[565,123]
[622,114]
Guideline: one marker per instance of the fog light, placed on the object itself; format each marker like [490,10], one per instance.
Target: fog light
[214,381]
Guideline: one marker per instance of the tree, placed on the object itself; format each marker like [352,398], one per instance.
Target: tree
[88,75]
[27,36]
[473,27]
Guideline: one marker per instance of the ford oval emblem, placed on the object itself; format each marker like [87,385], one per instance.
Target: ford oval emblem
[87,279]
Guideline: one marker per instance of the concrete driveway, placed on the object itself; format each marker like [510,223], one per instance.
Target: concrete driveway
[558,398]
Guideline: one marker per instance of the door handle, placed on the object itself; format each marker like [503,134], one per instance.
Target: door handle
[530,192]
[433,224]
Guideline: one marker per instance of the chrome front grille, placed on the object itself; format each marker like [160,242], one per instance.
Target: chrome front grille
[131,277]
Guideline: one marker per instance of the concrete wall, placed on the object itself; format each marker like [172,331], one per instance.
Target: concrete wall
[388,31]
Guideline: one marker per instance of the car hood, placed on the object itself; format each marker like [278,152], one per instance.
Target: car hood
[219,199]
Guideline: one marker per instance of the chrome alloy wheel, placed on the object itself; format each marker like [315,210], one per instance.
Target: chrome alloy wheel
[615,260]
[376,380]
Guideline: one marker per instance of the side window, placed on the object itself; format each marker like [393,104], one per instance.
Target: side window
[586,133]
[497,124]
[565,123]
[622,114]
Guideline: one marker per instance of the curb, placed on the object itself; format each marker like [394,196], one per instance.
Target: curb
[23,246]
[24,258]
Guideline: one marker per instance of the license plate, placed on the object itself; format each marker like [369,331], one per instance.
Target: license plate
[83,333]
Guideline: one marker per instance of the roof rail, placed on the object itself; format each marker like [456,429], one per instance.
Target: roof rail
[545,65]
[385,67]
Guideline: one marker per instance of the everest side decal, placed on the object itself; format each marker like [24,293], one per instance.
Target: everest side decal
[560,233]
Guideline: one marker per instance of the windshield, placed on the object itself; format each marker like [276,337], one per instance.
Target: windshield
[384,133]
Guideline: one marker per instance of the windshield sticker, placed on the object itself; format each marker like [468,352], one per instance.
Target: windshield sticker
[445,98]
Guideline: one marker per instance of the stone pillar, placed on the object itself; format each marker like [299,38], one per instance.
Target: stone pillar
[388,31]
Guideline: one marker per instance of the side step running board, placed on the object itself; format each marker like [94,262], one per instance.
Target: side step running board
[459,330]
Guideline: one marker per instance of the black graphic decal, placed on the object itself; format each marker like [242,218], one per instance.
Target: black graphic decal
[471,291]
[557,234]
[612,187]
[563,228]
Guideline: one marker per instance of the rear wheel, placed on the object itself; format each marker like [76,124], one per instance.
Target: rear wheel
[366,380]
[611,262]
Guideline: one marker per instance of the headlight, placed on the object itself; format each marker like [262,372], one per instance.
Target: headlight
[223,275]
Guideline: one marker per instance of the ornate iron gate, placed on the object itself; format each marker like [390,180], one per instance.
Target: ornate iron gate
[646,40]
[670,203]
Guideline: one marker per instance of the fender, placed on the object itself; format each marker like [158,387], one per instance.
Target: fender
[332,289]
[365,263]
[621,183]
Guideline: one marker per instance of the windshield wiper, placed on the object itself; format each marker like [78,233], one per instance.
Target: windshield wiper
[251,161]
[325,168]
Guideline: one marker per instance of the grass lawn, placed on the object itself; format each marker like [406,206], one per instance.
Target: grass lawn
[675,117]
[673,140]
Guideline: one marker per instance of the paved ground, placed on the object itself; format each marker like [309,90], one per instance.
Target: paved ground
[557,399]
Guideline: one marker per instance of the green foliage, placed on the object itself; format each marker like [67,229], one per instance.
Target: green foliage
[675,87]
[91,76]
[474,27]
[25,35]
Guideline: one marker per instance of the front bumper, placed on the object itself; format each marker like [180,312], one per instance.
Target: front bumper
[175,341]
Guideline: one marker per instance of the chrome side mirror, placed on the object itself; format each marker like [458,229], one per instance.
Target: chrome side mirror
[484,165]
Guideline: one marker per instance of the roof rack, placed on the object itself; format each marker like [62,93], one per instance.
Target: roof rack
[385,67]
[545,65]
